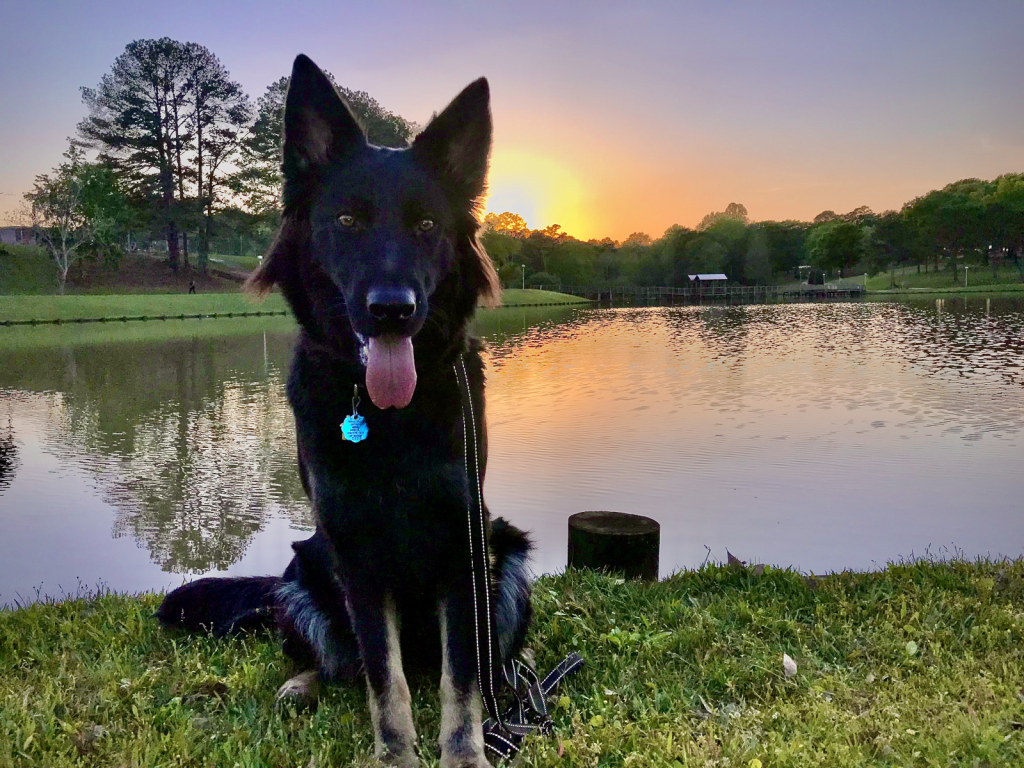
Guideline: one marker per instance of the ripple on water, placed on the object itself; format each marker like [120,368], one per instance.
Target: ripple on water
[819,435]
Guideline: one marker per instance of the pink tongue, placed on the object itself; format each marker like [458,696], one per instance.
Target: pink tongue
[390,371]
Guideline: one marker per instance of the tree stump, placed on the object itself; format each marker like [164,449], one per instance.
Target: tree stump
[615,541]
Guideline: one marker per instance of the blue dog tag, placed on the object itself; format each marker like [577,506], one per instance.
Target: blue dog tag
[354,428]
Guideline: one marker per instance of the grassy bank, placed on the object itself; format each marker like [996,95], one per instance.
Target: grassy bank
[909,279]
[919,665]
[1004,289]
[115,306]
[517,297]
[45,308]
[30,270]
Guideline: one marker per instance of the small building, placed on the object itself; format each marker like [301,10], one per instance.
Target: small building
[17,236]
[709,284]
[714,279]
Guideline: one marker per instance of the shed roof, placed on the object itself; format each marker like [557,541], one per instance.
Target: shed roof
[716,276]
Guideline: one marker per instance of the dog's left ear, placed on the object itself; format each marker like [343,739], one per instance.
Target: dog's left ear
[318,126]
[457,143]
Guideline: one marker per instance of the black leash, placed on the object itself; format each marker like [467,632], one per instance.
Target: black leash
[504,729]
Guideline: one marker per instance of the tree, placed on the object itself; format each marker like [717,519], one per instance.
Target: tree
[1004,219]
[574,262]
[724,248]
[108,210]
[836,245]
[757,268]
[220,112]
[74,207]
[891,241]
[258,181]
[504,251]
[137,120]
[535,251]
[861,215]
[950,220]
[733,211]
[785,240]
[554,232]
[638,239]
[507,223]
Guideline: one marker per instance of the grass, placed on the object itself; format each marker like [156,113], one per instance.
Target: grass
[27,337]
[29,270]
[1006,277]
[116,306]
[517,297]
[131,305]
[234,262]
[917,665]
[26,269]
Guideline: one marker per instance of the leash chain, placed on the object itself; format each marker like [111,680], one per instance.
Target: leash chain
[504,730]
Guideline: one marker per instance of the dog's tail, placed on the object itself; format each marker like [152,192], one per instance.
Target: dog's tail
[222,606]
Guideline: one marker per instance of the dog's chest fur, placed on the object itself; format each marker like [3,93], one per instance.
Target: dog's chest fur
[397,499]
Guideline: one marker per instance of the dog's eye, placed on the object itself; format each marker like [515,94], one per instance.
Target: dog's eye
[347,220]
[426,225]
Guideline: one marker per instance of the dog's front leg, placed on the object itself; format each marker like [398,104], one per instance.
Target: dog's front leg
[462,736]
[375,622]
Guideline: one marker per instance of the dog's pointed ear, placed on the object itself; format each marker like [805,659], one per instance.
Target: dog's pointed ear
[318,126]
[456,144]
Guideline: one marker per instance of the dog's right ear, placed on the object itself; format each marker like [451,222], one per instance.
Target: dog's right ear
[318,126]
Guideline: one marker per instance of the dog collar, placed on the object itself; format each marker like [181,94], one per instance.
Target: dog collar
[354,428]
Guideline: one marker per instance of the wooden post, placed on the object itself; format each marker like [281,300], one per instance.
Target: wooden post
[615,541]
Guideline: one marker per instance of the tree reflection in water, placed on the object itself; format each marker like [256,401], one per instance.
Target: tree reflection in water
[184,428]
[190,439]
[8,452]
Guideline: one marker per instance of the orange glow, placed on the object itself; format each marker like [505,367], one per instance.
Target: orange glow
[541,189]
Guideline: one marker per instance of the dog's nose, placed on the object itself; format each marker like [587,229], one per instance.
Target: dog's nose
[391,303]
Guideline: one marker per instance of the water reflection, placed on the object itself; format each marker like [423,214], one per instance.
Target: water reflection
[8,452]
[189,440]
[818,435]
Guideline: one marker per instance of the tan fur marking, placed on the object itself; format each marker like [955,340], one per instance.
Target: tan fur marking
[459,712]
[391,709]
[303,689]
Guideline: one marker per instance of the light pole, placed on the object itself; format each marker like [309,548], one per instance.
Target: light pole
[524,276]
[965,275]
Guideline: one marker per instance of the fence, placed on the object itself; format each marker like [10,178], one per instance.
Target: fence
[708,292]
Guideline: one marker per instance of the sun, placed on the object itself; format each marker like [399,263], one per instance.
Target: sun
[540,189]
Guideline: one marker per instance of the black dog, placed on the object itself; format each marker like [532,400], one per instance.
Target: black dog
[379,259]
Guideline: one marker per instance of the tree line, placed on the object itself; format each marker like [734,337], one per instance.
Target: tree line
[967,223]
[186,162]
[181,151]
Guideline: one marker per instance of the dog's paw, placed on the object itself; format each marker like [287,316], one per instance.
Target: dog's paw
[464,761]
[300,691]
[404,760]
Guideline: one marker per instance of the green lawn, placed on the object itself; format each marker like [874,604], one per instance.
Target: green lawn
[34,337]
[26,269]
[72,307]
[978,278]
[233,262]
[132,305]
[918,665]
[517,297]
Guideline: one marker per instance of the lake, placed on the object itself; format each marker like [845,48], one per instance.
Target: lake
[817,436]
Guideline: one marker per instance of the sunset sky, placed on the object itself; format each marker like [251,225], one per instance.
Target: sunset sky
[609,117]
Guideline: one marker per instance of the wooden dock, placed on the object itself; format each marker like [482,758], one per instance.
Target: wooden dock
[731,294]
